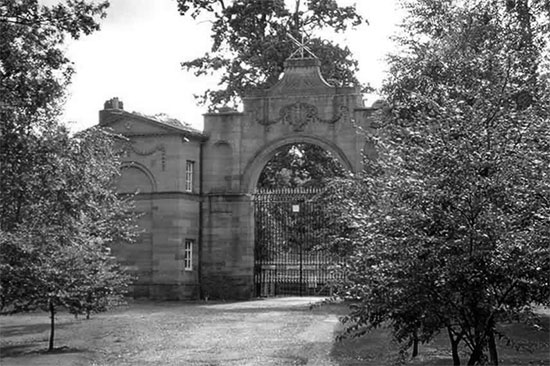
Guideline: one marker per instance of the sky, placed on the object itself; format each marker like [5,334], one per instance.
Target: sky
[136,57]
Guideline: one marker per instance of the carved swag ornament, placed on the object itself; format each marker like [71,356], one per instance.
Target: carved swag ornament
[299,114]
[151,151]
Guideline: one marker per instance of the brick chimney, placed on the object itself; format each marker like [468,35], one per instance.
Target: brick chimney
[110,107]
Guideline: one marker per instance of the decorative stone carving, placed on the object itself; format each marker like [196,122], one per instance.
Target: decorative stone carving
[300,114]
[147,152]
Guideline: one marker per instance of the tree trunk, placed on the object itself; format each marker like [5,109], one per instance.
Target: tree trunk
[476,355]
[454,352]
[52,325]
[493,354]
[415,343]
[454,348]
[296,18]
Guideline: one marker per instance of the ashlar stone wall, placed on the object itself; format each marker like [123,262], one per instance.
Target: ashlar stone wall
[155,167]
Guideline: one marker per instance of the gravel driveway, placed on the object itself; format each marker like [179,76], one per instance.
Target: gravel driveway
[277,331]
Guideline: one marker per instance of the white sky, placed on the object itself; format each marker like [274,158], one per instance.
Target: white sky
[137,53]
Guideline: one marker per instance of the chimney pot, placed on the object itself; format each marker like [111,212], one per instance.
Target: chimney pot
[113,103]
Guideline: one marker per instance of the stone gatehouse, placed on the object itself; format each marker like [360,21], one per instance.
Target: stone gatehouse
[195,188]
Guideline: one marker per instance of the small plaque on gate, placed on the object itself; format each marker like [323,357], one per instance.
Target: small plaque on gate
[295,208]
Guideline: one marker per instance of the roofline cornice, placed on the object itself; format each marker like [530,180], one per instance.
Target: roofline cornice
[118,114]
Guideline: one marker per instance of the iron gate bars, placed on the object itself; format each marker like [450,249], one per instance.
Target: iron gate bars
[290,258]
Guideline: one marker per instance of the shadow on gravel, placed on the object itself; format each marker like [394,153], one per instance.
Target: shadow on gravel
[27,329]
[20,349]
[37,348]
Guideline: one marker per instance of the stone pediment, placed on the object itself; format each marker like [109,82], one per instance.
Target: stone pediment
[301,77]
[302,100]
[133,124]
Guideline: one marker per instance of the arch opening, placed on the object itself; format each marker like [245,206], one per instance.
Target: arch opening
[257,164]
[290,221]
[299,165]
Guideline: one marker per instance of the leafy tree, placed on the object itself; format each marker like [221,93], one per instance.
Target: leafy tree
[450,227]
[250,42]
[33,75]
[59,211]
[58,254]
[300,165]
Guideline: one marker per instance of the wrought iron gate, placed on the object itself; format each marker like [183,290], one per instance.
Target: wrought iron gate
[290,234]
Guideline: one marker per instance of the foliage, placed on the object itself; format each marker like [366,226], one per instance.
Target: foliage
[33,75]
[450,229]
[59,211]
[58,254]
[33,67]
[250,42]
[300,165]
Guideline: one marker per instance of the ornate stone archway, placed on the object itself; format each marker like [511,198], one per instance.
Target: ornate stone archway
[255,166]
[301,108]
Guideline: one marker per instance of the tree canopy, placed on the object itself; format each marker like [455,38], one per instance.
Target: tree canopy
[33,75]
[449,228]
[34,68]
[59,211]
[300,165]
[250,42]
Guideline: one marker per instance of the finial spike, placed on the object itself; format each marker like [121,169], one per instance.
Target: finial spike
[302,48]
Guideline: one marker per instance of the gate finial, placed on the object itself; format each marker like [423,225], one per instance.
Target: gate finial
[302,48]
